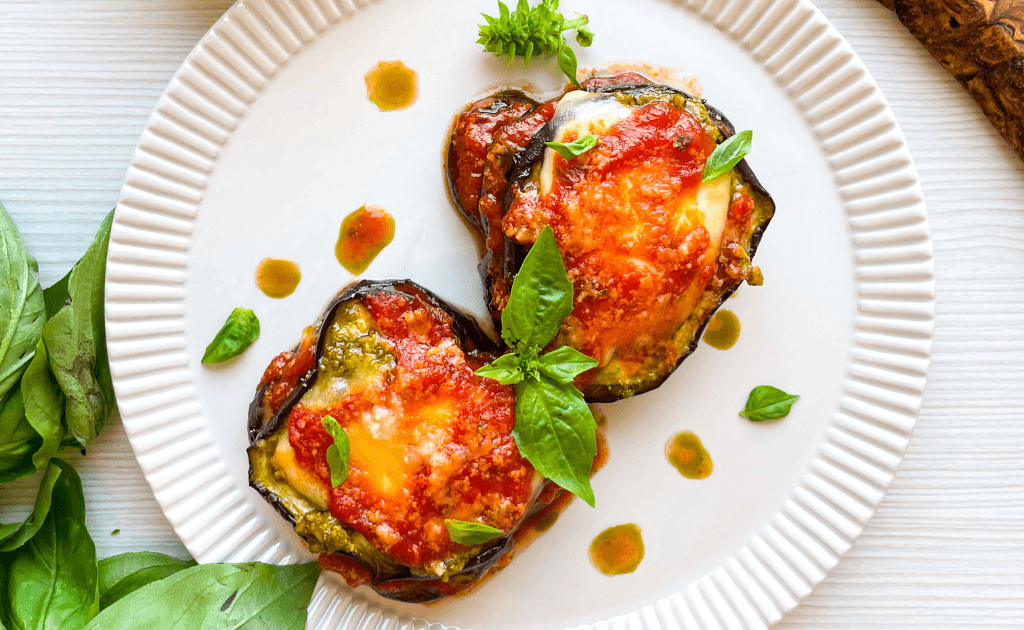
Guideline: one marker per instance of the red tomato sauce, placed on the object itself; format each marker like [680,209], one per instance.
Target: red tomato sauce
[471,138]
[284,372]
[429,441]
[364,234]
[613,214]
[508,141]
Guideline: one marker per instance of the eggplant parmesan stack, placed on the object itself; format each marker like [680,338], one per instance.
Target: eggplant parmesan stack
[651,248]
[428,440]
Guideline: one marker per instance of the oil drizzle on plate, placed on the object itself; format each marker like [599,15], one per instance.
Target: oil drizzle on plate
[617,550]
[688,455]
[391,85]
[277,278]
[723,330]
[364,233]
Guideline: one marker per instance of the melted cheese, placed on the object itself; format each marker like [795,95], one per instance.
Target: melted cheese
[298,478]
[578,114]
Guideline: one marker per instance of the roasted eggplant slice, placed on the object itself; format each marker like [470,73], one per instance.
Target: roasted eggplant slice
[651,249]
[429,440]
[472,134]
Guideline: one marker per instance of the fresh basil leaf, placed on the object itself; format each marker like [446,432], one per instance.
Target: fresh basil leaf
[126,573]
[727,155]
[564,364]
[541,297]
[22,307]
[337,453]
[768,403]
[530,31]
[505,369]
[75,340]
[555,430]
[241,329]
[56,296]
[467,533]
[18,440]
[247,596]
[52,578]
[23,532]
[567,62]
[44,405]
[574,148]
[7,530]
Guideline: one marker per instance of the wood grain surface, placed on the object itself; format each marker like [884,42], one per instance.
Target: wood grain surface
[78,79]
[981,43]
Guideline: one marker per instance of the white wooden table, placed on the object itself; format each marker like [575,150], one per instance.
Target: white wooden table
[78,79]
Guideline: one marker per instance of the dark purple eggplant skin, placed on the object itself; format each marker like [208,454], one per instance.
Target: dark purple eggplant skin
[523,164]
[402,585]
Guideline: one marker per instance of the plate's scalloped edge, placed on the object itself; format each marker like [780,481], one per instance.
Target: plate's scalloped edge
[843,485]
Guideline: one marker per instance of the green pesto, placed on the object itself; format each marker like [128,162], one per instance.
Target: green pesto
[692,106]
[352,348]
[354,354]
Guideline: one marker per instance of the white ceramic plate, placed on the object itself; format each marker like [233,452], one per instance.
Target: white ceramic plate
[264,141]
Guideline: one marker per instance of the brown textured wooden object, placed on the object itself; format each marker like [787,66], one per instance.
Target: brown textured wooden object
[981,43]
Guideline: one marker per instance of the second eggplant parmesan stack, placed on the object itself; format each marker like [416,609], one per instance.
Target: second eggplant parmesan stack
[652,248]
[427,441]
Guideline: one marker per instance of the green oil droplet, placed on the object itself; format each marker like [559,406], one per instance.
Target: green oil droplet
[688,455]
[723,330]
[617,550]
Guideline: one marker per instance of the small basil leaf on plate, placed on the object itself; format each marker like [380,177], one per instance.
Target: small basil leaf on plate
[56,569]
[728,154]
[241,329]
[555,430]
[243,596]
[564,364]
[466,533]
[337,453]
[125,573]
[505,369]
[768,403]
[572,149]
[541,296]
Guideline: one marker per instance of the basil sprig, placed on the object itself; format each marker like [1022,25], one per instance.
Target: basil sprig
[572,149]
[535,32]
[727,155]
[467,533]
[554,428]
[241,329]
[337,453]
[768,403]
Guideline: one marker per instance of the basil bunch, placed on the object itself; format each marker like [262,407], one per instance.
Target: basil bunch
[50,580]
[528,31]
[554,428]
[55,385]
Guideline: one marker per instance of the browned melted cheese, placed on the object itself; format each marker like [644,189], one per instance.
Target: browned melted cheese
[429,440]
[637,228]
